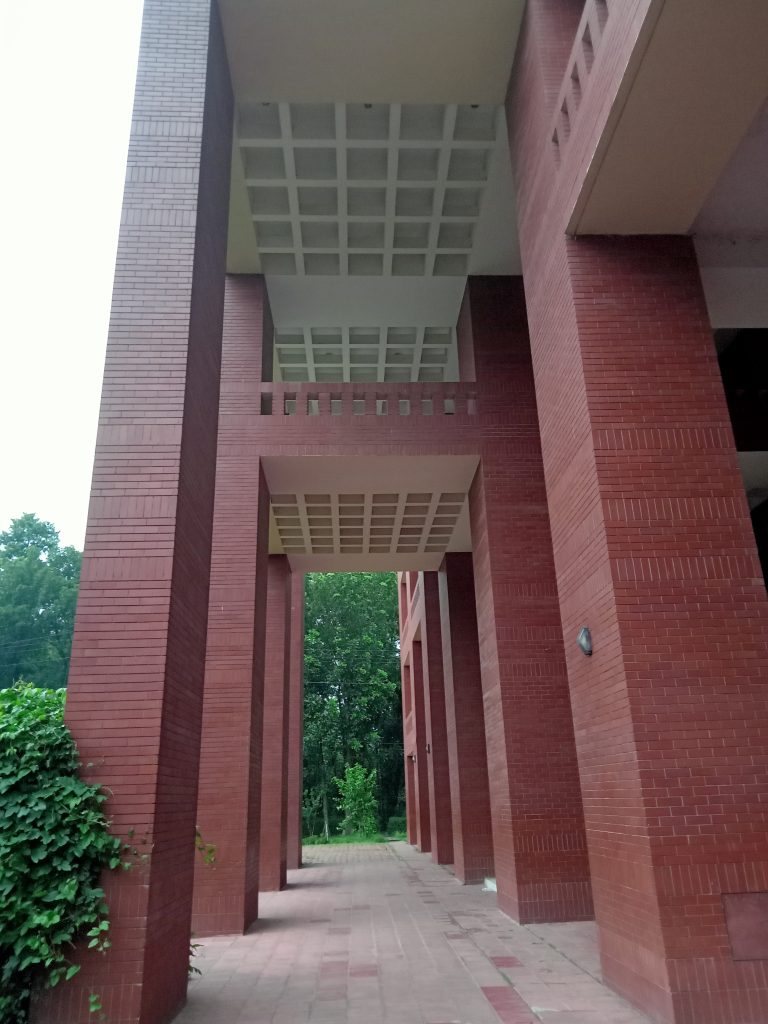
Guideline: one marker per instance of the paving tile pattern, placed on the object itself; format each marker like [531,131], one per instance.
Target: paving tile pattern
[380,935]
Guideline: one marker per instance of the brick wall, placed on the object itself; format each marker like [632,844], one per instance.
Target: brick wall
[273,852]
[465,721]
[229,797]
[538,829]
[136,681]
[296,723]
[419,751]
[654,551]
[440,820]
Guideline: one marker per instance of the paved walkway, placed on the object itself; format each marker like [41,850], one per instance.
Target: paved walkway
[380,935]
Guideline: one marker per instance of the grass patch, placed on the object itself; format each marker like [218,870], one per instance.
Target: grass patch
[375,837]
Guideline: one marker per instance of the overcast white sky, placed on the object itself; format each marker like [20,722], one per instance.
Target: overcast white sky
[67,71]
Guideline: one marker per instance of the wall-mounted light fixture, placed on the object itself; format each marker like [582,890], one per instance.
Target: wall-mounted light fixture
[584,640]
[411,757]
[429,749]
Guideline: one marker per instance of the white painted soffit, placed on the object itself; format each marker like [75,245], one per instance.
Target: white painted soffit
[754,470]
[369,217]
[371,170]
[378,514]
[734,275]
[371,190]
[369,51]
[388,354]
[694,83]
[737,207]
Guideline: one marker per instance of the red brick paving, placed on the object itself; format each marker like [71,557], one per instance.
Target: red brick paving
[381,935]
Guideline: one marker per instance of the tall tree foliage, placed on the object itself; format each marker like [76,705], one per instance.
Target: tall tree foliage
[352,690]
[38,593]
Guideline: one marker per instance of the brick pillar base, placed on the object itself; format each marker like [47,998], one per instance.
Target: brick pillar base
[274,767]
[465,722]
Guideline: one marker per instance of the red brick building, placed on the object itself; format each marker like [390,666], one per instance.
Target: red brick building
[476,292]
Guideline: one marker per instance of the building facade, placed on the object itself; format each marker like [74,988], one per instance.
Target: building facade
[478,293]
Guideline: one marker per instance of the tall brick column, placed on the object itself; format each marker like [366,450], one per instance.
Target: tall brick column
[539,843]
[465,721]
[228,804]
[274,765]
[440,821]
[296,722]
[136,681]
[654,552]
[420,757]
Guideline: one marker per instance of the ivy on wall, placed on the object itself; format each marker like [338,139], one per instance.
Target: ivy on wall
[54,843]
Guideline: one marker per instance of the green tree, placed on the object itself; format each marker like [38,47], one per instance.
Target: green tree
[352,709]
[38,593]
[357,800]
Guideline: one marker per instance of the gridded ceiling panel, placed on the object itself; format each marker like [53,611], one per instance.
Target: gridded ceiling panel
[373,523]
[395,354]
[366,189]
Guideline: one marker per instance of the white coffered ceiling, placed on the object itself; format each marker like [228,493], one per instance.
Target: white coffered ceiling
[395,354]
[367,189]
[350,513]
[371,174]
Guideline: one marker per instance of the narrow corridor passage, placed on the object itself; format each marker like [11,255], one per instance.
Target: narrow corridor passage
[380,935]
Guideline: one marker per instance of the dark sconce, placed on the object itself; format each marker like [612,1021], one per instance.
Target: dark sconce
[411,757]
[584,640]
[429,749]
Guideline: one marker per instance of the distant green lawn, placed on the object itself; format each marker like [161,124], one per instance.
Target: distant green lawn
[376,837]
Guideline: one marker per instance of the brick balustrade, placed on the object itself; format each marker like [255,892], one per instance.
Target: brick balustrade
[345,399]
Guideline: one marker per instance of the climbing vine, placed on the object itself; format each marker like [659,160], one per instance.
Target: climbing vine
[54,843]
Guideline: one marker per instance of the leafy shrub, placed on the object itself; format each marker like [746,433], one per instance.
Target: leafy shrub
[357,801]
[54,842]
[396,825]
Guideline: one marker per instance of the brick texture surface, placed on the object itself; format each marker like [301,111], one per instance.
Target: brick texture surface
[538,828]
[296,723]
[406,692]
[440,821]
[229,796]
[465,721]
[274,766]
[654,551]
[650,545]
[416,745]
[136,682]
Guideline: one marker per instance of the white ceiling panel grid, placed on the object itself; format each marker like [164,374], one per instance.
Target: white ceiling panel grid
[366,189]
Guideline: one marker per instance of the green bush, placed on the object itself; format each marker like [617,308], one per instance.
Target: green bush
[357,801]
[54,843]
[396,825]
